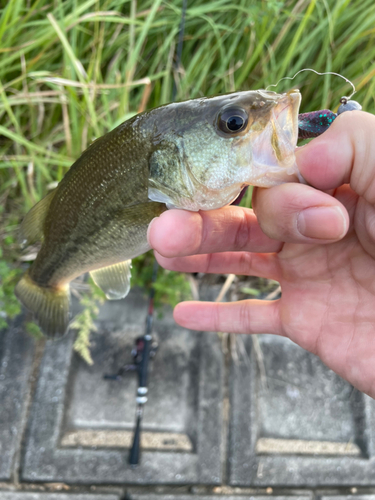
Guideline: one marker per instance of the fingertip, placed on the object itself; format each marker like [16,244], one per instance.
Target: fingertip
[326,162]
[165,262]
[176,311]
[194,315]
[151,232]
[182,314]
[174,232]
[328,223]
[319,163]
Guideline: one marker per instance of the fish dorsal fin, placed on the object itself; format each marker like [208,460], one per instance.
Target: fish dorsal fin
[32,225]
[114,280]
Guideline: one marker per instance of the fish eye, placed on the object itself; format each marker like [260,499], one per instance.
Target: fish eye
[232,120]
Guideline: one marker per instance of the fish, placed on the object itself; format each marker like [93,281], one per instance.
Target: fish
[194,155]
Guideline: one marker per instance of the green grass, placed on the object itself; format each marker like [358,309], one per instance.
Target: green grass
[71,70]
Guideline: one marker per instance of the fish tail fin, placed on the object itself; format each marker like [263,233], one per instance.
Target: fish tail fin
[50,306]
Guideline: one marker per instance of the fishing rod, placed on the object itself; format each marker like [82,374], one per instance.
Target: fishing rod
[146,343]
[144,348]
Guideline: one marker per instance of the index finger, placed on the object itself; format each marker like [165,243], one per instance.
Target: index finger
[177,233]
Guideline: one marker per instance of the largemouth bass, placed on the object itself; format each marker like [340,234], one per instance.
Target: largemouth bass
[194,155]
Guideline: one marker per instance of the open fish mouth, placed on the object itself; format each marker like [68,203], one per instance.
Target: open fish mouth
[286,115]
[273,149]
[277,144]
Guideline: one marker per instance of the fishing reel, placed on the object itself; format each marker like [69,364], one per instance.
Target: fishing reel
[138,350]
[137,353]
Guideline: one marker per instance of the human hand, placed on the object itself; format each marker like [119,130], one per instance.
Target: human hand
[317,241]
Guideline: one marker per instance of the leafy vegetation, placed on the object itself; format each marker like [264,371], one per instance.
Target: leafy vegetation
[72,70]
[84,322]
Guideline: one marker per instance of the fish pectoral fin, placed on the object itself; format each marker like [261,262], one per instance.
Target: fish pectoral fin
[31,229]
[114,280]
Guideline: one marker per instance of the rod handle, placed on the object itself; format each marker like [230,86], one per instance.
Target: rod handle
[135,449]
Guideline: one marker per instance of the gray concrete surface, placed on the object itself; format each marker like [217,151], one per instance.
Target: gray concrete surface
[269,420]
[184,399]
[16,354]
[23,495]
[221,497]
[299,403]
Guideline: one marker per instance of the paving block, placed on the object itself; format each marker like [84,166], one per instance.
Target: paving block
[16,353]
[24,495]
[347,497]
[294,422]
[217,497]
[81,425]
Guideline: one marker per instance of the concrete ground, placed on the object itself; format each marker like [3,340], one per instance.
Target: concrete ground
[268,419]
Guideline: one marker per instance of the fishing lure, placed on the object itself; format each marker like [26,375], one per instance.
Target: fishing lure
[316,122]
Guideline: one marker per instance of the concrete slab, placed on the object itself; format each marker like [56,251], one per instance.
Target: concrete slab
[24,495]
[298,424]
[81,424]
[347,497]
[16,353]
[218,497]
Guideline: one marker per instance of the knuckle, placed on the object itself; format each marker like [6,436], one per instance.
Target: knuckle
[208,263]
[245,261]
[216,318]
[244,317]
[242,234]
[201,232]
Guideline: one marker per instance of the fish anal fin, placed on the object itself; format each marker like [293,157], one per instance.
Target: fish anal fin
[114,280]
[31,229]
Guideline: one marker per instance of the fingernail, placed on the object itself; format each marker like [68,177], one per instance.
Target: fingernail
[323,223]
[148,230]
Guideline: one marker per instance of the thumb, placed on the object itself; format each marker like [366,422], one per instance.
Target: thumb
[345,154]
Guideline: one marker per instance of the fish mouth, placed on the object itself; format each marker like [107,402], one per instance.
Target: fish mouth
[273,148]
[286,115]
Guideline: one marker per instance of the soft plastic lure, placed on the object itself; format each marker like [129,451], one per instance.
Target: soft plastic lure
[316,122]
